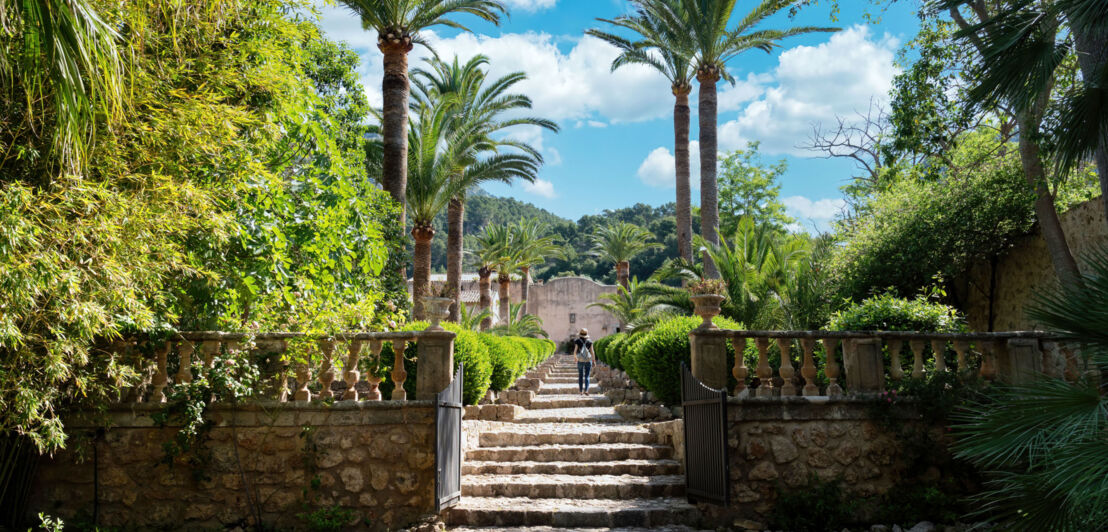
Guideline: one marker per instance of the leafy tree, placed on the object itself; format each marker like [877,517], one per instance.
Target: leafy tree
[749,188]
[658,49]
[700,32]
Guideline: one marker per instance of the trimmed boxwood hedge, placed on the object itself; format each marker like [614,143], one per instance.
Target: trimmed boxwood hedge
[655,356]
[508,362]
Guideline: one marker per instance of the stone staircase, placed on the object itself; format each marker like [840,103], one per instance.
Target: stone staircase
[569,461]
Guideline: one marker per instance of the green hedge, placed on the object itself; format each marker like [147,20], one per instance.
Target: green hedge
[490,361]
[602,348]
[654,359]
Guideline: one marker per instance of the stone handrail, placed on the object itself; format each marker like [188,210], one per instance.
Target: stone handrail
[197,350]
[1008,356]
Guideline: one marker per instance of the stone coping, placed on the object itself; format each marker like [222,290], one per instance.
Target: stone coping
[199,336]
[904,335]
[269,413]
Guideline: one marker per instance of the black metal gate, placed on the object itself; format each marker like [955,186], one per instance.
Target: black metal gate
[706,467]
[448,444]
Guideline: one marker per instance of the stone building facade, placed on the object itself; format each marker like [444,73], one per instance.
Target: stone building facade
[995,295]
[563,306]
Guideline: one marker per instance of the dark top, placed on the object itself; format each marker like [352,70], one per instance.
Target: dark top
[578,342]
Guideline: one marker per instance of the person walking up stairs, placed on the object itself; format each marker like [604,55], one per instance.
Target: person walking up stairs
[570,461]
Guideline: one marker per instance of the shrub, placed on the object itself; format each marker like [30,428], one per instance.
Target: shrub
[656,356]
[506,360]
[601,348]
[472,354]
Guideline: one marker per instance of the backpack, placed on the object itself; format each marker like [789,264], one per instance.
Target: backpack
[583,354]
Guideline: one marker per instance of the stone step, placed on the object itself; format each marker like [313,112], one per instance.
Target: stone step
[602,452]
[566,380]
[574,513]
[623,467]
[573,486]
[518,435]
[567,388]
[672,528]
[594,414]
[543,402]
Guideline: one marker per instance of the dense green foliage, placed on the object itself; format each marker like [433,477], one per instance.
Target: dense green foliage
[231,193]
[887,312]
[750,188]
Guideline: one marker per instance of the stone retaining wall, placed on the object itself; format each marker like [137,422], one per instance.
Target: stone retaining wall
[374,458]
[779,444]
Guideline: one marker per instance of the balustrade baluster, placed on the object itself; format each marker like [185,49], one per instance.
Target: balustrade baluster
[917,357]
[161,377]
[938,348]
[1050,359]
[896,371]
[374,381]
[398,373]
[208,349]
[350,374]
[832,367]
[960,348]
[303,377]
[327,368]
[808,368]
[765,373]
[740,370]
[786,371]
[1071,371]
[988,359]
[184,369]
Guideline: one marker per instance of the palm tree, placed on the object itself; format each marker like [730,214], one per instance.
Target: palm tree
[658,49]
[489,250]
[66,56]
[445,160]
[699,31]
[471,320]
[519,323]
[639,305]
[619,243]
[478,101]
[398,23]
[532,247]
[1021,49]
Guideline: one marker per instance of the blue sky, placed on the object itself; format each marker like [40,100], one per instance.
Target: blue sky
[615,146]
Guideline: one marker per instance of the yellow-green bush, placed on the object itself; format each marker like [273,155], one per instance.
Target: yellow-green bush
[656,356]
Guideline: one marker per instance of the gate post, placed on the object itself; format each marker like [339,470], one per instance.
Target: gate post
[1019,361]
[865,367]
[709,357]
[435,367]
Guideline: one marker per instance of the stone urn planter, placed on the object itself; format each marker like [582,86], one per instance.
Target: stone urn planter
[707,306]
[438,309]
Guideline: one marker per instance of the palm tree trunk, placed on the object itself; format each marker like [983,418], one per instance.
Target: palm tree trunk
[681,117]
[1092,56]
[505,296]
[394,127]
[455,214]
[524,286]
[709,199]
[421,269]
[484,282]
[623,270]
[1046,213]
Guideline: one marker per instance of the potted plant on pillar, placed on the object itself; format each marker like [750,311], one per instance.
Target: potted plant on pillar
[707,295]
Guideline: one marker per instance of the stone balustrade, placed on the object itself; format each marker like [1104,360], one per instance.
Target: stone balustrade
[1009,356]
[331,362]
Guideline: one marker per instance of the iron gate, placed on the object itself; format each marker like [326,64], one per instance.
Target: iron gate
[706,466]
[448,444]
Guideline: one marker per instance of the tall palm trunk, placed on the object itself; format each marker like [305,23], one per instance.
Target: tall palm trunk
[1092,56]
[1046,213]
[505,295]
[709,198]
[525,285]
[421,274]
[484,283]
[455,215]
[623,271]
[394,127]
[681,118]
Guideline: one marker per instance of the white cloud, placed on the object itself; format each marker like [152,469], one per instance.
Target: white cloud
[531,5]
[597,123]
[541,187]
[806,209]
[659,169]
[811,84]
[732,98]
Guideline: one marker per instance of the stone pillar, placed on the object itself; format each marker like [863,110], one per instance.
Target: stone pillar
[864,368]
[435,368]
[709,357]
[1020,362]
